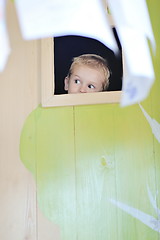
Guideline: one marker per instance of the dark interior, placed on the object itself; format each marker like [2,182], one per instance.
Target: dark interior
[67,47]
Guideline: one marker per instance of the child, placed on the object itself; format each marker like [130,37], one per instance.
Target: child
[88,73]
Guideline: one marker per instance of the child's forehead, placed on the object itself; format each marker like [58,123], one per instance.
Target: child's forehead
[85,67]
[83,71]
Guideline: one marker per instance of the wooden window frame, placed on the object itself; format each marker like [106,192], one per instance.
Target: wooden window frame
[49,99]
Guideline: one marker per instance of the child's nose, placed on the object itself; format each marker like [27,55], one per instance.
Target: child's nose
[83,89]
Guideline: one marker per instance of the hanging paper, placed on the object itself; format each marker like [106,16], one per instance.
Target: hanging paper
[4,41]
[40,19]
[134,29]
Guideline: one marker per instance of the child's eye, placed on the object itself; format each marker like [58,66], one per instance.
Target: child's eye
[91,86]
[77,81]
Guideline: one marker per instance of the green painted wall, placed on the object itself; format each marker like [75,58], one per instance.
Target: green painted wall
[91,163]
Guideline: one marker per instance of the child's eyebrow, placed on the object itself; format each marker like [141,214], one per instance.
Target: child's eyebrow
[76,75]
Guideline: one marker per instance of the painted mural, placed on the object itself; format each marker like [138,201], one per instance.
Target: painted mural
[97,167]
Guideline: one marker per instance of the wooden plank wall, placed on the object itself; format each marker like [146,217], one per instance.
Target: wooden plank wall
[19,95]
[96,153]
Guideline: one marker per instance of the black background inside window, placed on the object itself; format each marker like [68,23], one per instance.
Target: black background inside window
[67,47]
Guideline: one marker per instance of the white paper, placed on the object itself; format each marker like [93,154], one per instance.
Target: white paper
[49,18]
[4,41]
[138,70]
[134,28]
[132,14]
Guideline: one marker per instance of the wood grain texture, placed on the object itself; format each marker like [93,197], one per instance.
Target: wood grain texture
[19,95]
[95,172]
[55,168]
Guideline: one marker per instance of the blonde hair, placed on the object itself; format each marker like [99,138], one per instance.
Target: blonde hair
[93,61]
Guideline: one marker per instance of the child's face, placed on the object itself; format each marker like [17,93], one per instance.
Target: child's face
[84,80]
